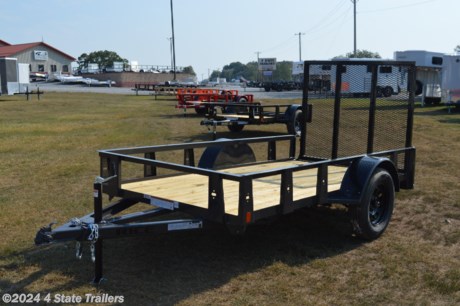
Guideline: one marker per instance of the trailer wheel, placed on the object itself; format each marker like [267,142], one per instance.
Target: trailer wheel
[243,100]
[295,123]
[387,91]
[237,109]
[418,87]
[235,128]
[371,217]
[201,111]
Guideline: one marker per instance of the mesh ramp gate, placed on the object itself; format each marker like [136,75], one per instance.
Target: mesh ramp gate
[359,107]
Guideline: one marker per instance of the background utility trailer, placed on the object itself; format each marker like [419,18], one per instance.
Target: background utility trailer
[355,152]
[237,116]
[356,79]
[194,98]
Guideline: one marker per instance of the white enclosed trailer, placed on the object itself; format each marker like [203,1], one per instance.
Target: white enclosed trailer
[356,79]
[451,79]
[9,76]
[428,73]
[14,77]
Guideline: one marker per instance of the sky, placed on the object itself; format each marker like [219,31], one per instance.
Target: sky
[212,33]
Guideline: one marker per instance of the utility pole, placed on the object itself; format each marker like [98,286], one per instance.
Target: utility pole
[354,26]
[258,52]
[170,50]
[300,45]
[173,42]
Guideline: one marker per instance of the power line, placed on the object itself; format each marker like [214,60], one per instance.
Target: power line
[397,7]
[278,45]
[329,15]
[344,19]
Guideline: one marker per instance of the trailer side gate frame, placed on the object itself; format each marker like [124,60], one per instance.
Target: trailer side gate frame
[230,194]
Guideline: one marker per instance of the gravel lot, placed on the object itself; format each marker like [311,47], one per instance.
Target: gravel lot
[258,93]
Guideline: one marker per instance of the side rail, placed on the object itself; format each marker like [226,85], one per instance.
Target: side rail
[261,193]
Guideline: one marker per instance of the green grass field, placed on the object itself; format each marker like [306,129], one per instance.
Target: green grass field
[49,160]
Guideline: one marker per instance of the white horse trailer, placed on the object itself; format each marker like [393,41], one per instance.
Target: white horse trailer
[428,73]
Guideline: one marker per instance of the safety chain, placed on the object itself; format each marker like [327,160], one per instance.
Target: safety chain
[94,235]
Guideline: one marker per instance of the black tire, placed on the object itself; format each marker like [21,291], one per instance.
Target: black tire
[243,100]
[295,123]
[418,87]
[235,128]
[201,111]
[387,91]
[237,109]
[372,216]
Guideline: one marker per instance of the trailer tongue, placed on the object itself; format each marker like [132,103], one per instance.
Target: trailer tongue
[354,151]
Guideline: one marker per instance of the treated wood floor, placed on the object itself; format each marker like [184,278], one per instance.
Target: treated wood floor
[193,188]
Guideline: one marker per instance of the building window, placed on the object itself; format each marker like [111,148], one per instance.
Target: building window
[53,68]
[65,68]
[41,68]
[386,69]
[436,60]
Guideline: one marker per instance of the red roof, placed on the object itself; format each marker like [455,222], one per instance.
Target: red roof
[4,43]
[10,50]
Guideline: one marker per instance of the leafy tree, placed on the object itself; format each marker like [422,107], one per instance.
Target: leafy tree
[252,71]
[214,75]
[103,58]
[283,71]
[233,70]
[361,54]
[189,70]
[457,49]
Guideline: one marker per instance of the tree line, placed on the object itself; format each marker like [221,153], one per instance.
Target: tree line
[232,71]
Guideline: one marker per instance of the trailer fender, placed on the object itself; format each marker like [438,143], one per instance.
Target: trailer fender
[290,111]
[359,173]
[226,155]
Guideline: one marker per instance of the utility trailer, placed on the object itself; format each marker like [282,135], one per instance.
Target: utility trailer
[238,115]
[355,152]
[200,98]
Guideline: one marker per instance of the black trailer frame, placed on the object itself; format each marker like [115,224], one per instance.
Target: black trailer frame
[227,164]
[238,115]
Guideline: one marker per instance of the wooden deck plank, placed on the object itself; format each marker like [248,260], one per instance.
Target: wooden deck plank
[193,188]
